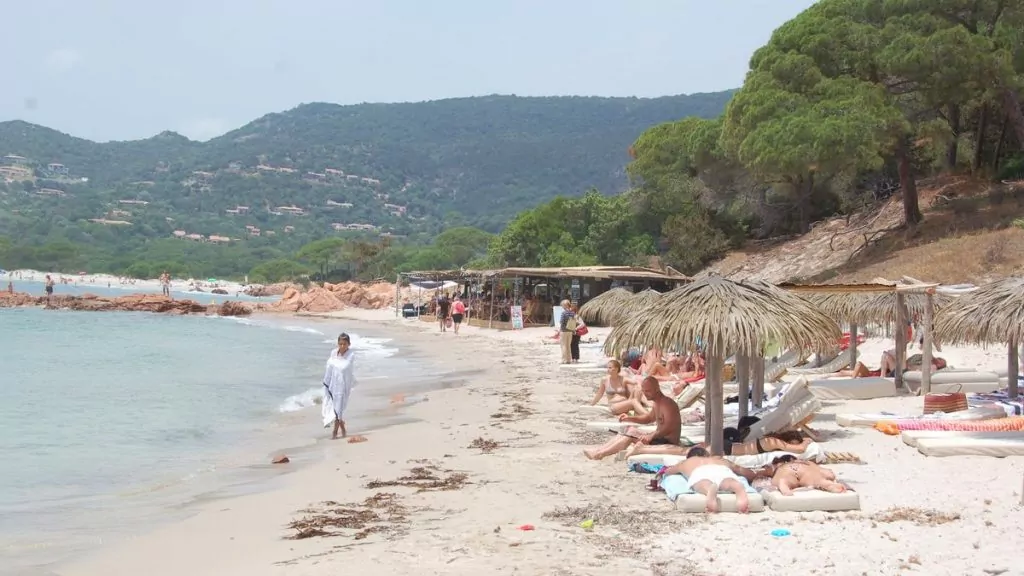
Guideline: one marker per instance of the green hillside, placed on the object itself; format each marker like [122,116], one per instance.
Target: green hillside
[475,161]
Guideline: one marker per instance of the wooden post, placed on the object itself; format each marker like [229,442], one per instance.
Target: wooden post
[757,367]
[743,378]
[853,345]
[398,294]
[490,313]
[926,346]
[900,333]
[1011,371]
[713,412]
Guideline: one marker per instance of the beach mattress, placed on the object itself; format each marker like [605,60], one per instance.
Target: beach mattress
[814,453]
[811,500]
[697,503]
[911,437]
[996,446]
[869,420]
[991,425]
[600,409]
[947,377]
[853,388]
[582,366]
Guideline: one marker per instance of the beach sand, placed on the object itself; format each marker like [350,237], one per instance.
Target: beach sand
[516,435]
[111,281]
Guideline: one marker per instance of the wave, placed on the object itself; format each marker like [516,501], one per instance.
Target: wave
[311,397]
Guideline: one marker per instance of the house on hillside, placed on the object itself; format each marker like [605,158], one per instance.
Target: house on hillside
[51,192]
[295,210]
[370,181]
[15,160]
[56,169]
[333,204]
[133,202]
[219,239]
[179,233]
[106,222]
[289,229]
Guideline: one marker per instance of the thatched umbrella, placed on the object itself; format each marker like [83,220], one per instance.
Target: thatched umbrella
[726,317]
[992,313]
[605,308]
[644,299]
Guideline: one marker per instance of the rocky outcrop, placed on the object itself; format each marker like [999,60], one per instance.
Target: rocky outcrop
[129,303]
[332,297]
[270,289]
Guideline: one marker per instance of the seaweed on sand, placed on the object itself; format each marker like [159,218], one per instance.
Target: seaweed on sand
[380,513]
[425,479]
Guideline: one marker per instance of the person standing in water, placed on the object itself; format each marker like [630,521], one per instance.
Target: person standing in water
[458,313]
[49,289]
[339,379]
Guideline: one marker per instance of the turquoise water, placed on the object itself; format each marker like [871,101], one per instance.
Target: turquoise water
[113,420]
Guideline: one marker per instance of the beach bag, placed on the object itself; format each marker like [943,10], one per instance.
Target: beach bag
[571,324]
[448,322]
[582,329]
[945,402]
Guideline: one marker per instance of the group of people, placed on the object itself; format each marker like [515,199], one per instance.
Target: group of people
[451,312]
[635,395]
[570,329]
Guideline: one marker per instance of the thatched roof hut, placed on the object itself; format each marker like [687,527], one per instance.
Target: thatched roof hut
[605,308]
[726,317]
[992,313]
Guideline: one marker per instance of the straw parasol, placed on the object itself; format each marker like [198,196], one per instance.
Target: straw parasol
[992,313]
[644,300]
[727,317]
[605,308]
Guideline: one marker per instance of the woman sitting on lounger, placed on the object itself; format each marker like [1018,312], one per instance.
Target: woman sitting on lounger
[622,395]
[790,441]
[787,473]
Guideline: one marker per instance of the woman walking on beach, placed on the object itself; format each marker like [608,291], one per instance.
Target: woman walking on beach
[339,380]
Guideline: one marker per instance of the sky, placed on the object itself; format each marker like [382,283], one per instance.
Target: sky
[130,69]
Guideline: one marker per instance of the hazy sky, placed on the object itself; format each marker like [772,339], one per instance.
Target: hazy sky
[127,69]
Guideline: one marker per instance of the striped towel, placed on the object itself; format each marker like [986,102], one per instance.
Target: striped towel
[894,427]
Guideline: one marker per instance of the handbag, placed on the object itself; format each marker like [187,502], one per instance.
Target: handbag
[582,329]
[945,402]
[571,324]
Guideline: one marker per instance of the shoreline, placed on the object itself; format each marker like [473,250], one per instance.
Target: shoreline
[516,434]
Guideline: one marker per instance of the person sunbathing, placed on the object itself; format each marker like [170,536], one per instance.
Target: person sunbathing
[708,474]
[787,472]
[887,367]
[664,412]
[622,396]
[789,441]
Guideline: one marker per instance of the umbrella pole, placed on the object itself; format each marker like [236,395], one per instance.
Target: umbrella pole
[901,341]
[1011,370]
[714,407]
[853,345]
[757,367]
[926,352]
[743,378]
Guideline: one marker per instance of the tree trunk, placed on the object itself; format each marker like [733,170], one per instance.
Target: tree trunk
[1001,144]
[979,138]
[954,127]
[1011,104]
[911,210]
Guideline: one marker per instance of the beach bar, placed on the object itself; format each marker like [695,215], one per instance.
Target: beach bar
[492,294]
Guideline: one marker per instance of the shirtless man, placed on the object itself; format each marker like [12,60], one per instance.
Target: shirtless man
[707,474]
[664,412]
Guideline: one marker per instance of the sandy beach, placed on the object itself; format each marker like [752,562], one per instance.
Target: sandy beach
[115,282]
[503,453]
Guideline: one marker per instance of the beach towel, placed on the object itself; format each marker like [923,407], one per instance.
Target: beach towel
[676,485]
[645,468]
[339,380]
[893,428]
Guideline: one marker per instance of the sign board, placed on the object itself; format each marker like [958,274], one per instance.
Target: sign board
[575,293]
[517,317]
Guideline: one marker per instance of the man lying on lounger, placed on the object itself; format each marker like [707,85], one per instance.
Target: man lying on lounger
[708,474]
[664,412]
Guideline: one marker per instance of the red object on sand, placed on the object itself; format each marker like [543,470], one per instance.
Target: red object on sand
[527,527]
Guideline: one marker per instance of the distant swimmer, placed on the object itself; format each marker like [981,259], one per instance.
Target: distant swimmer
[339,380]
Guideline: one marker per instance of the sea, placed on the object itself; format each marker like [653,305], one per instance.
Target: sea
[114,421]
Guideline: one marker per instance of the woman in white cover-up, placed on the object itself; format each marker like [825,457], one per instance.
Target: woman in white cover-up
[339,380]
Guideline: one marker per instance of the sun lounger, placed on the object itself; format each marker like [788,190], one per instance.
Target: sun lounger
[814,452]
[697,503]
[811,500]
[836,364]
[911,437]
[945,381]
[996,445]
[869,420]
[853,388]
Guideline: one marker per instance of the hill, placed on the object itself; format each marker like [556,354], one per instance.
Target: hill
[971,232]
[398,168]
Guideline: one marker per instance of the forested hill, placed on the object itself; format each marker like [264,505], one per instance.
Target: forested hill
[482,158]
